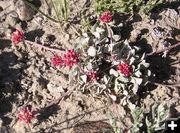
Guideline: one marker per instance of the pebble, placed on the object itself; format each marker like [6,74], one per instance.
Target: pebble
[67,37]
[177,37]
[24,11]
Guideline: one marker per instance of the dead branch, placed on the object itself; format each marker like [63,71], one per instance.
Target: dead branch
[162,50]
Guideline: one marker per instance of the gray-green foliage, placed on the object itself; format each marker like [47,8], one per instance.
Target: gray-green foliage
[112,122]
[159,111]
[154,121]
[126,6]
[137,115]
[97,55]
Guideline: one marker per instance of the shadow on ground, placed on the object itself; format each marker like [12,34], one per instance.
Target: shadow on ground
[9,85]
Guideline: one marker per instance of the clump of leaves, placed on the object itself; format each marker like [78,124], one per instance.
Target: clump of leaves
[126,6]
[156,122]
[137,115]
[122,6]
[112,122]
[143,122]
[109,65]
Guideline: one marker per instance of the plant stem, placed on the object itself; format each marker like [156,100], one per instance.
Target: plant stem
[65,10]
[56,11]
[44,47]
[162,50]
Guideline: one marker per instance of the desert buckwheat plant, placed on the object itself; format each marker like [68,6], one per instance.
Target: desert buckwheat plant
[109,65]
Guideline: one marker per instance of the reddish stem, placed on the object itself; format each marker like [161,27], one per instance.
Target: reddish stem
[44,47]
[162,50]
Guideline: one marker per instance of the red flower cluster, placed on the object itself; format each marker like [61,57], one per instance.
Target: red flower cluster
[106,17]
[124,69]
[91,75]
[25,115]
[57,60]
[69,59]
[17,36]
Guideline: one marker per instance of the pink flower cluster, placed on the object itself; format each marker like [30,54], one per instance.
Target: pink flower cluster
[57,60]
[25,115]
[70,58]
[124,69]
[17,36]
[106,17]
[91,75]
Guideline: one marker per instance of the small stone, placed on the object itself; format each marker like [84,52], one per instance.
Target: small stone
[177,37]
[24,11]
[67,37]
[54,89]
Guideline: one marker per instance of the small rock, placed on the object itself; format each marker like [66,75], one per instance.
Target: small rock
[177,37]
[67,37]
[25,12]
[54,89]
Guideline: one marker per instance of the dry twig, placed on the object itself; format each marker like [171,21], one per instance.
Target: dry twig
[162,50]
[44,47]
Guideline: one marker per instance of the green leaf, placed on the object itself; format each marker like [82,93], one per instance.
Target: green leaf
[123,79]
[144,64]
[116,37]
[113,72]
[97,35]
[138,73]
[73,72]
[132,60]
[106,80]
[84,78]
[138,80]
[91,51]
[100,30]
[135,88]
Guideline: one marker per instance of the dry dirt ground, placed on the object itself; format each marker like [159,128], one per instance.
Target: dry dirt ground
[27,77]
